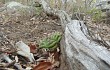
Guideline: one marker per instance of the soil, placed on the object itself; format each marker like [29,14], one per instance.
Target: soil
[101,29]
[32,30]
[28,30]
[38,27]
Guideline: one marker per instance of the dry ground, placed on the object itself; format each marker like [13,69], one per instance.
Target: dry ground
[28,30]
[36,28]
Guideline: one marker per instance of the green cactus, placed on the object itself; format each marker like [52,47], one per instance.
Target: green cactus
[51,42]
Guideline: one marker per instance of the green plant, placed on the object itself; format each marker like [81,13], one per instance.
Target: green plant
[38,10]
[51,42]
[96,14]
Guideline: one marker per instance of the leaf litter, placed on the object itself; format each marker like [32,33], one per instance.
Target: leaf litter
[21,48]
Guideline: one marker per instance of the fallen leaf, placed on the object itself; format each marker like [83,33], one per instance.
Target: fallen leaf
[41,59]
[32,48]
[51,58]
[28,68]
[56,64]
[6,69]
[16,58]
[24,50]
[43,66]
[56,56]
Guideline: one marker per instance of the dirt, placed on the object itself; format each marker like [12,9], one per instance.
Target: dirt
[32,30]
[38,27]
[27,30]
[101,29]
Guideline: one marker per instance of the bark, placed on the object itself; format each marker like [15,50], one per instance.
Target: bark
[77,47]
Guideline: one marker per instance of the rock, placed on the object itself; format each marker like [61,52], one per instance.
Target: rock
[14,5]
[19,11]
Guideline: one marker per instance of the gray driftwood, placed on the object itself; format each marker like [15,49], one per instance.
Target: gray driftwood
[77,47]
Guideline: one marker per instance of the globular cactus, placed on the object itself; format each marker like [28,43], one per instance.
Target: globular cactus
[51,42]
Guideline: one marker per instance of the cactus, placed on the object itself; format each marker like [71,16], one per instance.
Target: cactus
[51,42]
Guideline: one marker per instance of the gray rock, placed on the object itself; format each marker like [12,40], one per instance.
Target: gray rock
[14,5]
[18,10]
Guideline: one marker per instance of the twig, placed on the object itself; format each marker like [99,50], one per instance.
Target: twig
[6,57]
[10,42]
[3,44]
[34,29]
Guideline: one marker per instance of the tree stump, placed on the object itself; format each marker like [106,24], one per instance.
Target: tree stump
[78,49]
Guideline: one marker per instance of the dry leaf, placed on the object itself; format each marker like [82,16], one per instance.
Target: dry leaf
[43,66]
[16,58]
[28,68]
[32,48]
[24,50]
[54,56]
